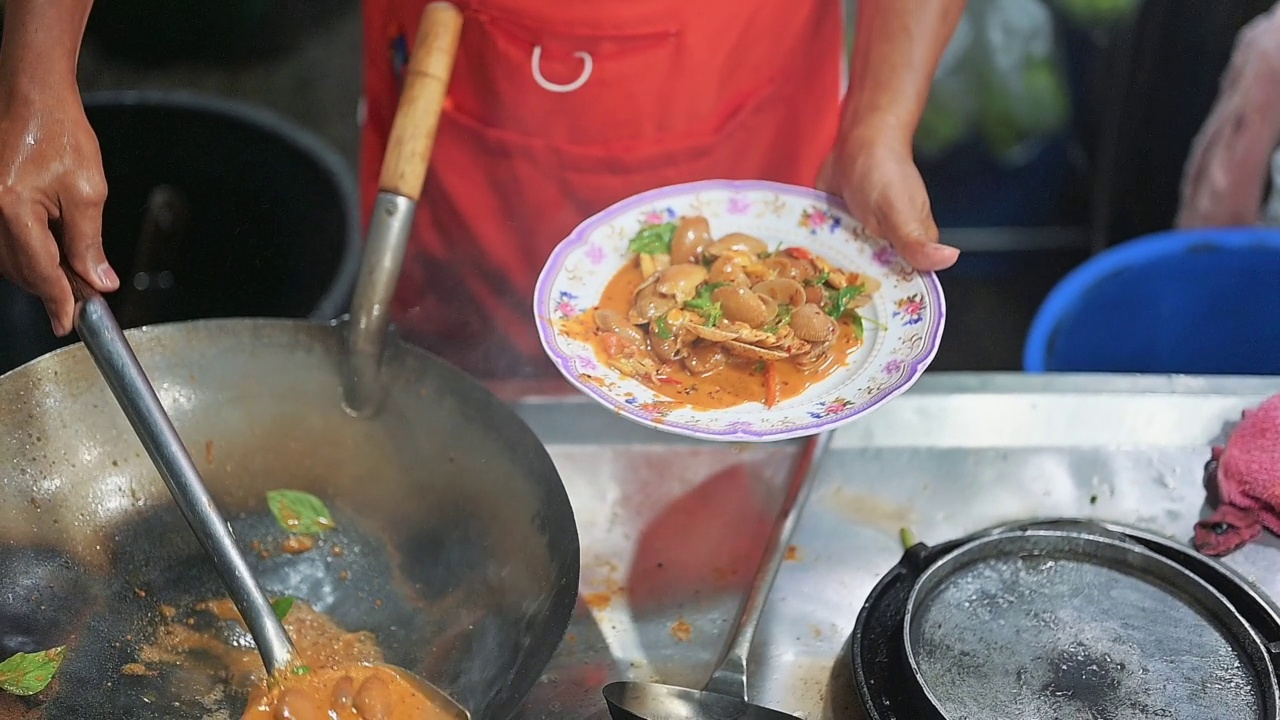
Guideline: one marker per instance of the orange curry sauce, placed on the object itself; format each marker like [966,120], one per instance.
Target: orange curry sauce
[741,381]
[352,692]
[347,680]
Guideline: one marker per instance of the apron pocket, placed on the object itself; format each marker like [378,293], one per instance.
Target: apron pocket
[580,89]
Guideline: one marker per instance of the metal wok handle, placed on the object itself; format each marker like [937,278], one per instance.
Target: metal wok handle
[404,169]
[730,676]
[110,351]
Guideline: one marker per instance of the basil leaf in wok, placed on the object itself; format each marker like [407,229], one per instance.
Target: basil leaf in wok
[29,673]
[281,606]
[300,512]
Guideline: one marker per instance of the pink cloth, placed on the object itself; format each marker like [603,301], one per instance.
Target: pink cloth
[1248,480]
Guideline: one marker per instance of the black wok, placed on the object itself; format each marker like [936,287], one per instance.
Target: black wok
[458,541]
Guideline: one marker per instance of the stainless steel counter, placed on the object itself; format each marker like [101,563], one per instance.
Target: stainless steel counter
[672,529]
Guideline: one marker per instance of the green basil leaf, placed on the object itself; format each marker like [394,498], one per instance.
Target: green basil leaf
[664,330]
[781,319]
[300,512]
[703,299]
[653,239]
[818,280]
[841,299]
[873,321]
[29,673]
[705,306]
[714,315]
[281,606]
[859,331]
[784,314]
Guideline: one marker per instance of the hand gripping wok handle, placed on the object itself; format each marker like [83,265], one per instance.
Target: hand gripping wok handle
[404,169]
[730,676]
[110,351]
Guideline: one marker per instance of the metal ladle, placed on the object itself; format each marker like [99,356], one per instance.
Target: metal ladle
[724,697]
[97,327]
[114,357]
[102,336]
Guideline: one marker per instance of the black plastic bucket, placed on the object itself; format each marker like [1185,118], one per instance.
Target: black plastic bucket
[246,215]
[223,33]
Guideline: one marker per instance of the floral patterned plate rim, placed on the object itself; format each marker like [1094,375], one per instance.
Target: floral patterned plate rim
[909,310]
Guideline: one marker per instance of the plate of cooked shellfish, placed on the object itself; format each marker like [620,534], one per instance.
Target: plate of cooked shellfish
[736,311]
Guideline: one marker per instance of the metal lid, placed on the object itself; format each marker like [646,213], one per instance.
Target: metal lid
[1065,625]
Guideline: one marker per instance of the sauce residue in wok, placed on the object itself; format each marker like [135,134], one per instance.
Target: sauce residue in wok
[346,680]
[320,642]
[350,692]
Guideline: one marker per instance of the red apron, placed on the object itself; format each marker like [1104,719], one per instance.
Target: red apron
[558,109]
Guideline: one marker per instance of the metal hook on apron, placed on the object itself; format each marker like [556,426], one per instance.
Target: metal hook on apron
[536,64]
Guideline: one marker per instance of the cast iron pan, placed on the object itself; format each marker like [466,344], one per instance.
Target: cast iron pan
[883,677]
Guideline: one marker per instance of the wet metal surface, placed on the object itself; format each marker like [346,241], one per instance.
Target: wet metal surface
[671,529]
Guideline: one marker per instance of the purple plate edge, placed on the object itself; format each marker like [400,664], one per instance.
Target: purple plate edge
[556,261]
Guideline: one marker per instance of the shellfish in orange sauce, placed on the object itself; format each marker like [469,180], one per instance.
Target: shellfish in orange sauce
[717,323]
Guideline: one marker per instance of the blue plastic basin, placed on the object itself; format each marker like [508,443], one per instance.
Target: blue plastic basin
[1183,301]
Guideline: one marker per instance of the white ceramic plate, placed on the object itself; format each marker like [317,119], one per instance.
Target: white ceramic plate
[908,310]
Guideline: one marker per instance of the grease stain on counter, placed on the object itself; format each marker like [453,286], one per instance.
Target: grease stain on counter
[869,510]
[600,599]
[681,630]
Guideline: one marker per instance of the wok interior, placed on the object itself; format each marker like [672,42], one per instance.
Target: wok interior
[458,545]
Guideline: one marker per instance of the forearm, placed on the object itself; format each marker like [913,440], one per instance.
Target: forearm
[897,45]
[41,44]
